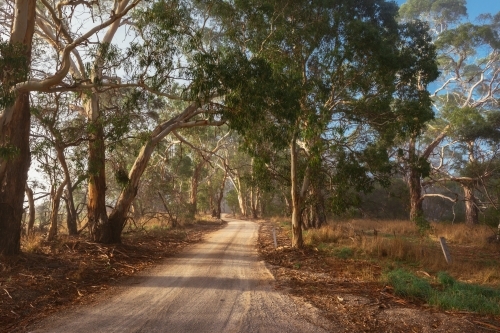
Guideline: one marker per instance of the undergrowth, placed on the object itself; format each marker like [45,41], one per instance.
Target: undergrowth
[404,250]
[446,293]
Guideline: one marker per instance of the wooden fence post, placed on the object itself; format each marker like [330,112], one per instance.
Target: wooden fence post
[445,249]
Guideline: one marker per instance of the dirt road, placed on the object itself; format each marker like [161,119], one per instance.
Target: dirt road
[216,286]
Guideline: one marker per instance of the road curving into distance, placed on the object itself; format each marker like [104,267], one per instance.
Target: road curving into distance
[218,285]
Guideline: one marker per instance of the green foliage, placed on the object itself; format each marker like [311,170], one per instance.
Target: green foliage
[466,297]
[184,167]
[408,285]
[8,152]
[443,12]
[389,202]
[121,177]
[344,252]
[422,224]
[449,295]
[231,198]
[14,69]
[102,55]
[299,75]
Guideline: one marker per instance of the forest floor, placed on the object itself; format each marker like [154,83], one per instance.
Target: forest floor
[52,276]
[350,294]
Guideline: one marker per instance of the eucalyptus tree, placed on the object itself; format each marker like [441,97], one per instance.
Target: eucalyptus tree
[15,56]
[169,49]
[21,17]
[337,68]
[465,101]
[205,144]
[59,130]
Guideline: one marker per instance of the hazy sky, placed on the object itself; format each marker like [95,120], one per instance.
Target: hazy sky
[476,7]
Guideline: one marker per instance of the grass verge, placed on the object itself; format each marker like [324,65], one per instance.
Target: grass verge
[446,293]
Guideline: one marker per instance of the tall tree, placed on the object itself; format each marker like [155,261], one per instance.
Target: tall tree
[15,118]
[468,90]
[337,66]
[15,59]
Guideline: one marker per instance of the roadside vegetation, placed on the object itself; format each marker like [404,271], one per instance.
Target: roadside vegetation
[143,114]
[413,264]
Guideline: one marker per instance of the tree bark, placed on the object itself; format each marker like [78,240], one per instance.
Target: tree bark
[220,195]
[99,228]
[471,209]
[194,186]
[254,202]
[70,204]
[54,215]
[118,216]
[297,241]
[416,208]
[31,204]
[414,184]
[14,132]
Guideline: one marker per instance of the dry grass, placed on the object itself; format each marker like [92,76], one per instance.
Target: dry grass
[31,243]
[475,258]
[326,234]
[461,234]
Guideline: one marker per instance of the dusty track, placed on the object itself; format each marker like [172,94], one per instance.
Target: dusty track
[216,286]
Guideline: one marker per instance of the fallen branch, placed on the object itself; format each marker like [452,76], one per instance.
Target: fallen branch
[7,293]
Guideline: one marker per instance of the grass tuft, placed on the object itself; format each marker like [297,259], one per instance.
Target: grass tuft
[326,234]
[448,295]
[344,252]
[407,285]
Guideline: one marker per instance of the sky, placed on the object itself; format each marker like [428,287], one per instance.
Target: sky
[476,7]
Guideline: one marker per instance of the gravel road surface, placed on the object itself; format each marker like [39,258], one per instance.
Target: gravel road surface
[216,286]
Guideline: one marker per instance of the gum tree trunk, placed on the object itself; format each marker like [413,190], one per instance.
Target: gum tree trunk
[118,216]
[54,215]
[194,186]
[70,204]
[100,230]
[97,217]
[14,135]
[297,241]
[31,203]
[220,195]
[471,209]
[414,184]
